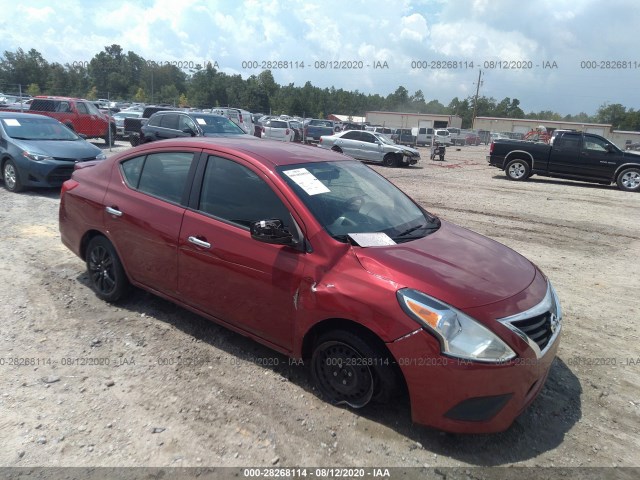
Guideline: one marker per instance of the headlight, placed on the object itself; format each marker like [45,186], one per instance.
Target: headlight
[36,156]
[101,156]
[460,335]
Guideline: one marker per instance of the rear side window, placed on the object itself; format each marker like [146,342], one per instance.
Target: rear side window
[82,108]
[236,194]
[43,105]
[163,175]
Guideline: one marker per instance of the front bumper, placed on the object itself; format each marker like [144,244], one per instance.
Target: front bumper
[463,396]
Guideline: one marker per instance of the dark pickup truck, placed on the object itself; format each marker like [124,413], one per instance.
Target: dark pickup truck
[133,126]
[315,129]
[570,154]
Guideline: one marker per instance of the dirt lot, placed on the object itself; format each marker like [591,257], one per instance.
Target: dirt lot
[181,391]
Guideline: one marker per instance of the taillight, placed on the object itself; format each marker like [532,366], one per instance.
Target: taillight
[68,186]
[287,132]
[491,148]
[320,141]
[240,117]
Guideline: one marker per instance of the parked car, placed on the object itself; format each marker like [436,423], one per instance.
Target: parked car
[472,138]
[321,258]
[79,115]
[316,128]
[276,129]
[424,135]
[403,136]
[119,118]
[39,151]
[442,136]
[371,147]
[173,124]
[240,117]
[298,130]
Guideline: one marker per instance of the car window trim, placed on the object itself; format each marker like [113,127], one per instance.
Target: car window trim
[196,189]
[186,192]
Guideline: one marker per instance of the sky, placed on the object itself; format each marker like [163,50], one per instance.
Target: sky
[564,56]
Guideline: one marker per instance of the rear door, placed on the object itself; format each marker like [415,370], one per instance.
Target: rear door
[565,155]
[144,209]
[222,270]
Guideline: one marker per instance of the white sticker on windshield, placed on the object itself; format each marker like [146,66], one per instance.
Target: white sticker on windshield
[201,121]
[307,181]
[11,122]
[373,239]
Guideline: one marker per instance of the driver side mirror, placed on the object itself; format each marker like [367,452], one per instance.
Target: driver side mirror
[271,231]
[190,131]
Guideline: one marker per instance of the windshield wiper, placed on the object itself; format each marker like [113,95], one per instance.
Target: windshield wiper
[433,227]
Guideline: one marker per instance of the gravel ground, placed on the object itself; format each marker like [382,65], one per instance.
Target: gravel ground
[147,383]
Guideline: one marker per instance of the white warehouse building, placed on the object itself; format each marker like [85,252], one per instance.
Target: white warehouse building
[410,120]
[522,126]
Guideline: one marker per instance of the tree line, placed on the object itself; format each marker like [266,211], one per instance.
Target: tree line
[117,75]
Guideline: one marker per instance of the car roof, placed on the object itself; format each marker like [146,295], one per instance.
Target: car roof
[267,152]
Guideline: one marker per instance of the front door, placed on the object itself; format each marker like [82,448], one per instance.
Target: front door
[227,274]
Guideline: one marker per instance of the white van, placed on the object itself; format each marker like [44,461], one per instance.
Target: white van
[240,117]
[424,135]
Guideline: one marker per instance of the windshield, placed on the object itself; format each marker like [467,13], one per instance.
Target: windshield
[349,197]
[217,124]
[37,128]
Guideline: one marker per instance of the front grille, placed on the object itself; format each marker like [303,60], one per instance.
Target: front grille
[537,328]
[540,325]
[61,159]
[58,175]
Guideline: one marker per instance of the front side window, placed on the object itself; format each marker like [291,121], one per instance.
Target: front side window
[163,175]
[234,193]
[186,122]
[595,144]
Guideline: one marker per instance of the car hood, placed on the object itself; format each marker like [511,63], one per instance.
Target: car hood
[404,148]
[455,265]
[71,149]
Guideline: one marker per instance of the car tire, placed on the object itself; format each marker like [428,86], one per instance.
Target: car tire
[11,177]
[629,180]
[348,368]
[106,273]
[336,149]
[390,160]
[517,169]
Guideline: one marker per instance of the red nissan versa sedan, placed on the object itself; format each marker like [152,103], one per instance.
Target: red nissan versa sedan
[319,257]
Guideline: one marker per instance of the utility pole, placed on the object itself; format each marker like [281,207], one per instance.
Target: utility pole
[475,102]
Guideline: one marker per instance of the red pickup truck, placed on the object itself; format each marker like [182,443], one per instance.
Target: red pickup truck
[81,116]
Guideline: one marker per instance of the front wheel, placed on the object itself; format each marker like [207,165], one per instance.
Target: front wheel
[628,180]
[106,274]
[517,170]
[349,369]
[390,160]
[11,177]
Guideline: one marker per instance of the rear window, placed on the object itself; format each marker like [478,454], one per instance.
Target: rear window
[278,124]
[43,105]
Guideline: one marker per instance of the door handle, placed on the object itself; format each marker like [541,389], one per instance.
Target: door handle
[113,211]
[199,243]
